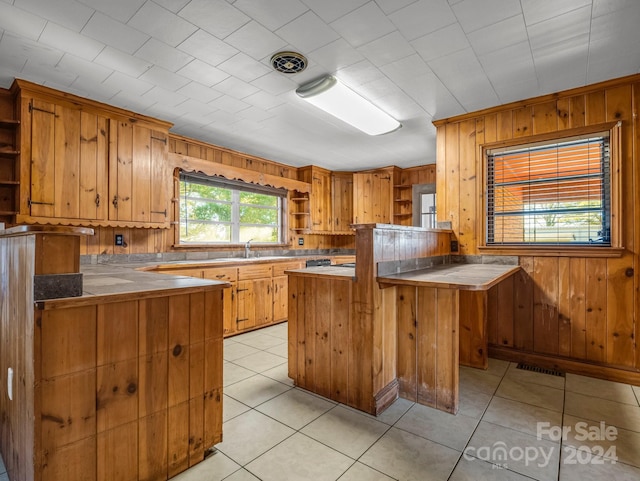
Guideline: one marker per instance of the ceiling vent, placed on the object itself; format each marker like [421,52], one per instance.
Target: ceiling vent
[289,62]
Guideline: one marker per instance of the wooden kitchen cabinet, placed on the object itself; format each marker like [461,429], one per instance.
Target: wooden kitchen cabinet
[85,163]
[254,296]
[280,289]
[320,198]
[342,201]
[230,275]
[373,197]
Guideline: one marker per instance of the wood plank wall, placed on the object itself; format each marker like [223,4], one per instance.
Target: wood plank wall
[576,308]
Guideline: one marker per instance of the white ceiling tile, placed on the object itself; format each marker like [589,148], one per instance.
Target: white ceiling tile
[221,116]
[70,41]
[513,91]
[390,6]
[162,24]
[44,71]
[229,104]
[132,102]
[198,91]
[473,15]
[538,10]
[336,55]
[20,22]
[173,5]
[330,10]
[207,48]
[617,28]
[119,81]
[601,67]
[510,65]
[236,88]
[401,107]
[359,74]
[441,42]
[423,17]
[22,48]
[510,31]
[93,88]
[163,96]
[605,7]
[312,72]
[263,100]
[122,62]
[121,10]
[275,83]
[272,14]
[113,33]
[255,114]
[244,67]
[307,33]
[67,13]
[202,72]
[556,32]
[215,16]
[159,53]
[164,78]
[363,25]
[387,49]
[191,108]
[87,71]
[255,40]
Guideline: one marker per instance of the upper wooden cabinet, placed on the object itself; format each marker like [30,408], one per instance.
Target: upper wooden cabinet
[320,198]
[342,201]
[373,196]
[85,163]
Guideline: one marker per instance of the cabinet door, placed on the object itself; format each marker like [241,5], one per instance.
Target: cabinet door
[263,301]
[280,300]
[69,151]
[342,201]
[138,178]
[245,305]
[229,310]
[321,202]
[372,197]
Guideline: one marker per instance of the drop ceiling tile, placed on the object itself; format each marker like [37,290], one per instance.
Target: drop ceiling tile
[244,67]
[423,17]
[442,42]
[255,40]
[133,102]
[307,33]
[221,116]
[202,72]
[617,27]
[44,71]
[473,15]
[70,41]
[164,78]
[236,88]
[161,54]
[274,83]
[556,32]
[510,65]
[605,7]
[363,25]
[87,71]
[263,100]
[121,10]
[20,22]
[122,62]
[217,17]
[377,89]
[272,14]
[229,104]
[207,48]
[600,68]
[255,114]
[22,48]
[359,74]
[67,13]
[402,107]
[173,5]
[120,81]
[192,108]
[387,49]
[510,31]
[162,24]
[198,91]
[330,10]
[514,91]
[92,87]
[336,55]
[390,6]
[163,96]
[538,10]
[114,33]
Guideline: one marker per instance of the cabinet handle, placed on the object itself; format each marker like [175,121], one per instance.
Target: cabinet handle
[244,319]
[240,290]
[268,289]
[220,276]
[97,200]
[115,201]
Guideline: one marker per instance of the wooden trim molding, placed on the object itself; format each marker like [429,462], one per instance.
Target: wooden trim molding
[193,164]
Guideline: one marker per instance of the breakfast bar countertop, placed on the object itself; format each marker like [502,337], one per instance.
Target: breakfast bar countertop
[470,277]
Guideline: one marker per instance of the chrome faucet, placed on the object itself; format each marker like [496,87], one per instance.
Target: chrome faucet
[247,249]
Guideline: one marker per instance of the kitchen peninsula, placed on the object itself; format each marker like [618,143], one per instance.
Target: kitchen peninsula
[122,380]
[390,326]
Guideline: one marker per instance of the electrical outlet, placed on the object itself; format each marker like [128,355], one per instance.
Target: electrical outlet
[454,246]
[119,239]
[300,241]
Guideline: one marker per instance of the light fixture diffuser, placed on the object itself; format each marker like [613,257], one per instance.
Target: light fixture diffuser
[335,98]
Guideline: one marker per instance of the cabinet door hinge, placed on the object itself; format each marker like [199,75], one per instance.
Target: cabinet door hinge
[163,139]
[32,108]
[160,212]
[33,202]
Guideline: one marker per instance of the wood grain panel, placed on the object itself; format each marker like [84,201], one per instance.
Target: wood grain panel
[407,342]
[427,329]
[141,182]
[340,340]
[596,304]
[120,443]
[468,195]
[545,117]
[152,441]
[116,394]
[67,162]
[545,304]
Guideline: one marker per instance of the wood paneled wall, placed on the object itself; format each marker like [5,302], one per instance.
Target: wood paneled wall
[575,308]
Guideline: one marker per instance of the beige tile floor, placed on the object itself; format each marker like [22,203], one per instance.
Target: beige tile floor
[274,431]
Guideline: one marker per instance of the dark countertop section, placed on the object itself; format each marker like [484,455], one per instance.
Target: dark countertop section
[335,272]
[471,277]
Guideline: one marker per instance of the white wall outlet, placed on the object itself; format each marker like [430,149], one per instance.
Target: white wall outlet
[10,383]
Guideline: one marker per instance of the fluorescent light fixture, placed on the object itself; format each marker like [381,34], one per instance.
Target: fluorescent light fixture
[335,98]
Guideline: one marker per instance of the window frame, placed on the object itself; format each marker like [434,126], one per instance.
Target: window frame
[616,248]
[236,186]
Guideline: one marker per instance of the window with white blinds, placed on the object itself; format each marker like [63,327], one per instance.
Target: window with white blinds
[555,193]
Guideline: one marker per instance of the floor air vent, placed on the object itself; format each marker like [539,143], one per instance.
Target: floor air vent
[542,370]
